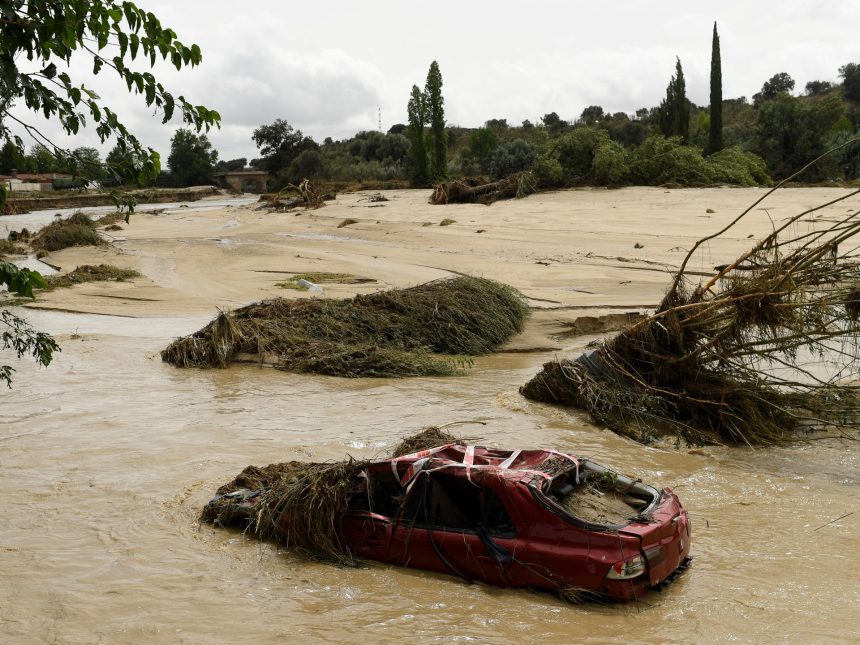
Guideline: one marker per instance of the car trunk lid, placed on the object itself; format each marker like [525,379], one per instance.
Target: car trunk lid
[665,539]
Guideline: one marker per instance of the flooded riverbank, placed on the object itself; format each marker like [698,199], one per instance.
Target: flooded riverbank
[109,454]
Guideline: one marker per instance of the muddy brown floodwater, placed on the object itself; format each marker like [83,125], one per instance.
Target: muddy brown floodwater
[107,457]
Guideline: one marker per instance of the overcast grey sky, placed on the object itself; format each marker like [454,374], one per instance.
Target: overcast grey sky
[327,67]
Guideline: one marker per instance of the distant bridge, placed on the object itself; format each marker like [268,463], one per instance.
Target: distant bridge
[243,181]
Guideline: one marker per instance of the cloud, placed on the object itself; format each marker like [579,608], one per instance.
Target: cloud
[327,67]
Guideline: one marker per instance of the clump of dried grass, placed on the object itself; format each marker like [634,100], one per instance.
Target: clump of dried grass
[76,230]
[429,330]
[91,273]
[8,247]
[429,437]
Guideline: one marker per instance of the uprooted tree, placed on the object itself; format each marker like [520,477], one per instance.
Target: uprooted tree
[764,351]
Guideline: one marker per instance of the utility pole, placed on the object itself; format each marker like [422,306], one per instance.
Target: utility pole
[379,118]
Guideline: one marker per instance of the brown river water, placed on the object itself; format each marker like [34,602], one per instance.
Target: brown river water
[108,455]
[106,464]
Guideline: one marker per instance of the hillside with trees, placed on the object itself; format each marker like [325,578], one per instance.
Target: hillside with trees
[734,141]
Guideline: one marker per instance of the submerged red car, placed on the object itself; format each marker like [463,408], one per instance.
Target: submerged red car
[524,518]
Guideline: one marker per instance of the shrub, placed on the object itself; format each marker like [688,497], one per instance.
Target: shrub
[511,158]
[665,161]
[575,152]
[610,166]
[734,166]
[482,143]
[548,171]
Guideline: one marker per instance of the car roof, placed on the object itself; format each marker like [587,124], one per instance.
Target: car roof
[466,460]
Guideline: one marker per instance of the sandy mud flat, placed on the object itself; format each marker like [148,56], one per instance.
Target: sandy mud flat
[108,455]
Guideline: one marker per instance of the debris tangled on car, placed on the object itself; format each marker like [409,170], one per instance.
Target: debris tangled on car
[515,518]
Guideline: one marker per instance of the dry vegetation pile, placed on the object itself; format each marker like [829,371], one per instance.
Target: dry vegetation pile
[299,281]
[112,218]
[91,273]
[428,330]
[765,351]
[458,191]
[301,505]
[9,247]
[76,230]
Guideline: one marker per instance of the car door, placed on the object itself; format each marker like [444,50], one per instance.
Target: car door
[457,525]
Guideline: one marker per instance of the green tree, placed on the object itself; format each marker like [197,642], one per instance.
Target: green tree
[850,75]
[192,159]
[231,164]
[10,158]
[791,132]
[85,162]
[482,143]
[279,144]
[510,158]
[592,115]
[575,152]
[436,117]
[122,164]
[496,124]
[308,165]
[417,112]
[674,111]
[777,84]
[553,122]
[44,160]
[17,334]
[715,131]
[611,166]
[816,88]
[49,34]
[112,35]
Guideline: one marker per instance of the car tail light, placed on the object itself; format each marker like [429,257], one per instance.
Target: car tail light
[627,568]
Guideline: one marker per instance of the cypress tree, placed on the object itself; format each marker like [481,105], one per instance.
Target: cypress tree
[436,114]
[715,138]
[674,111]
[417,112]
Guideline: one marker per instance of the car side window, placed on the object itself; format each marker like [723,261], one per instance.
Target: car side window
[454,503]
[382,495]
